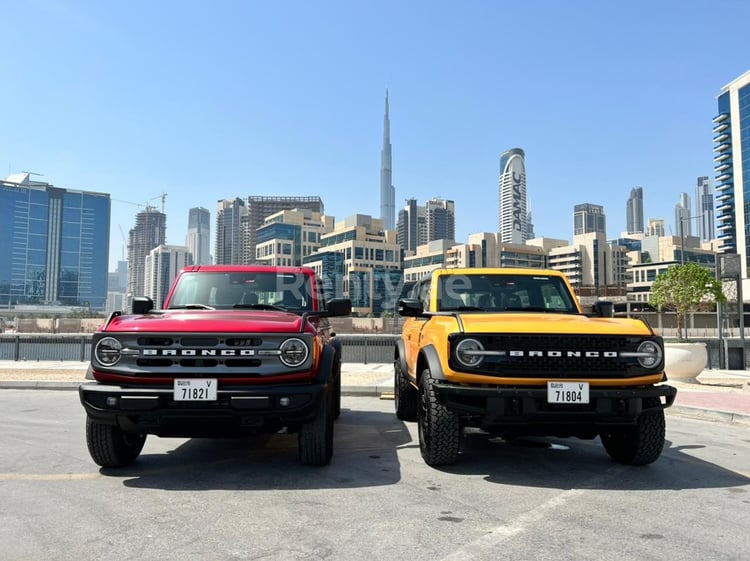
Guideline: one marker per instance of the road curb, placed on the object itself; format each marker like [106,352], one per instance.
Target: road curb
[710,415]
[41,385]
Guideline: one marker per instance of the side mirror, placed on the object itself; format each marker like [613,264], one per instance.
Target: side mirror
[142,305]
[603,309]
[339,307]
[410,307]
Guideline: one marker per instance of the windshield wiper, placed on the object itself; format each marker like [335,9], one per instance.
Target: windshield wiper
[192,307]
[259,307]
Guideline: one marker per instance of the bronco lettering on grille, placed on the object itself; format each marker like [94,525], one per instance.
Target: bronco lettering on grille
[566,354]
[198,352]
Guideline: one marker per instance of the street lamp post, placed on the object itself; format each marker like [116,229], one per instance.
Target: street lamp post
[682,234]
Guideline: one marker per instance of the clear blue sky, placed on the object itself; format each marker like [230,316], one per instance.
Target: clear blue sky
[213,100]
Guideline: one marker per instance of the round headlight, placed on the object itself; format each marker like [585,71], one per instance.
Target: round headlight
[107,351]
[293,352]
[468,352]
[650,354]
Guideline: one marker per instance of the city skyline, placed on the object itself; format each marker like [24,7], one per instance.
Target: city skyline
[301,109]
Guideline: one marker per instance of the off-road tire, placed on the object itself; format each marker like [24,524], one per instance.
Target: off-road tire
[315,437]
[439,427]
[405,396]
[641,444]
[110,446]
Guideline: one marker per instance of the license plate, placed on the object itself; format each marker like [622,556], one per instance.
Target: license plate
[567,392]
[195,389]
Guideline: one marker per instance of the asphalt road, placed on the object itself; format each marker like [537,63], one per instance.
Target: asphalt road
[250,499]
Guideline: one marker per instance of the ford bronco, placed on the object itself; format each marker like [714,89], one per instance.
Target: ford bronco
[510,352]
[234,350]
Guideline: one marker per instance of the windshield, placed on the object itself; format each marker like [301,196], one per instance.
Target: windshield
[290,291]
[517,293]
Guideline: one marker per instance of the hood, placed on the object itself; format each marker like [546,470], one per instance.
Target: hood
[552,323]
[208,321]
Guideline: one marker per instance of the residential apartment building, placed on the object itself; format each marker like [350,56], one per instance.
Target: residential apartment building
[230,215]
[198,240]
[150,231]
[513,212]
[704,208]
[161,267]
[634,211]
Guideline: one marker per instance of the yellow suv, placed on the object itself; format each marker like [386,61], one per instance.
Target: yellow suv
[511,352]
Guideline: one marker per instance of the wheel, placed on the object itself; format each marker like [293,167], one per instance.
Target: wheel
[641,444]
[439,429]
[405,395]
[110,446]
[315,438]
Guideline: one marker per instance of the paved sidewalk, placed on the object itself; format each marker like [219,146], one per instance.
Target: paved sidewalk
[718,395]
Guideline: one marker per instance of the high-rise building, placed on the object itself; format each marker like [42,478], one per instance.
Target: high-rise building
[634,211]
[588,218]
[149,232]
[682,216]
[513,214]
[261,207]
[369,264]
[440,218]
[732,167]
[419,225]
[54,244]
[161,267]
[290,236]
[198,240]
[411,220]
[387,190]
[229,215]
[704,208]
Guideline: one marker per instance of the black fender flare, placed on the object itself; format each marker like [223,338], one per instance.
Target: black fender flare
[429,355]
[401,359]
[325,370]
[337,346]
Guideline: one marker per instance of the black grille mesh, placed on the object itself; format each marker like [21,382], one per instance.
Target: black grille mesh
[554,362]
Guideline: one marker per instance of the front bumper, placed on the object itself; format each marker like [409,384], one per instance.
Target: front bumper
[235,411]
[526,410]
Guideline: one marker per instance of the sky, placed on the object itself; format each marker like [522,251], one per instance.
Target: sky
[206,101]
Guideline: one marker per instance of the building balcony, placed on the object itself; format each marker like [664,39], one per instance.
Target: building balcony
[720,118]
[724,208]
[722,157]
[723,166]
[724,197]
[721,178]
[723,147]
[721,137]
[723,125]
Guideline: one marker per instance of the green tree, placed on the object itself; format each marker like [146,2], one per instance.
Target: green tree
[683,288]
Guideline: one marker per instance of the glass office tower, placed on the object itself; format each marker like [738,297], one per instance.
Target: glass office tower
[54,245]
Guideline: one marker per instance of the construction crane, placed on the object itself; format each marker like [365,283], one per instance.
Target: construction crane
[124,243]
[147,204]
